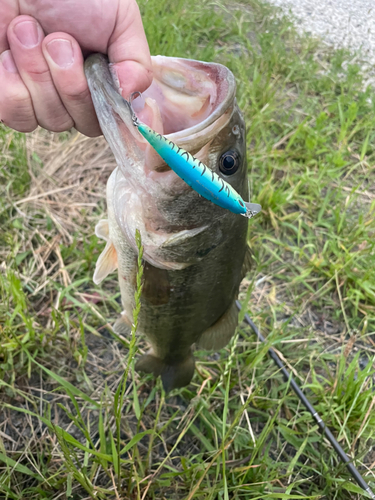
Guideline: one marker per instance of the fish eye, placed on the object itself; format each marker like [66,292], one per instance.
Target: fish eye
[229,162]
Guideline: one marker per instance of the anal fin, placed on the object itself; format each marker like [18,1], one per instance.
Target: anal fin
[219,334]
[121,326]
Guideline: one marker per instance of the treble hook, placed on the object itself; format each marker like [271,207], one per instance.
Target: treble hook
[133,96]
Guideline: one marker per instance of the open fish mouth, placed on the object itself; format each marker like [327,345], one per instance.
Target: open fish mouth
[187,102]
[191,103]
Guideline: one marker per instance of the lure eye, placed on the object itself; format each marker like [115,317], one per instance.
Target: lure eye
[229,162]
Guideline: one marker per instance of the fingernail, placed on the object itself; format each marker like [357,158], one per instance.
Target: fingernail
[8,62]
[27,33]
[61,52]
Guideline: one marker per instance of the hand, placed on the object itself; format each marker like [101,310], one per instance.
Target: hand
[42,81]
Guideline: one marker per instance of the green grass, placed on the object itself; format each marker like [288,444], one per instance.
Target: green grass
[77,422]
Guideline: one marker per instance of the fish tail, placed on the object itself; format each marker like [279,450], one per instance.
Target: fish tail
[173,375]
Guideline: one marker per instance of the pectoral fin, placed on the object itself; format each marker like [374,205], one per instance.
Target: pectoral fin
[179,246]
[106,263]
[219,334]
[183,237]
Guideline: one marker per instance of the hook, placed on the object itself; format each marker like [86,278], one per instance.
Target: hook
[133,96]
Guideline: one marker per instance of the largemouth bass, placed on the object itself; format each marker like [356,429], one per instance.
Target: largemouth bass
[195,252]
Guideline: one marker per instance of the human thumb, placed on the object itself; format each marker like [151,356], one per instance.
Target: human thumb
[128,50]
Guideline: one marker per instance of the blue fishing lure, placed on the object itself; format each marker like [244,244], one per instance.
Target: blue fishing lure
[196,174]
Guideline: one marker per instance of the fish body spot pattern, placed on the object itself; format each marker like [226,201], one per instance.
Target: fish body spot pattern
[197,175]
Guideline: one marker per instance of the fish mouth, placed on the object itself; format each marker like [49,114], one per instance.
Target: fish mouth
[190,102]
[191,95]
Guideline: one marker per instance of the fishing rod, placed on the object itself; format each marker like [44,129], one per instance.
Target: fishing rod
[324,429]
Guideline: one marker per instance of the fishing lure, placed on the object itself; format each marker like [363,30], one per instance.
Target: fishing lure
[195,173]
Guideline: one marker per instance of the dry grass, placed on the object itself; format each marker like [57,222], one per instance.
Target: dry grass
[68,180]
